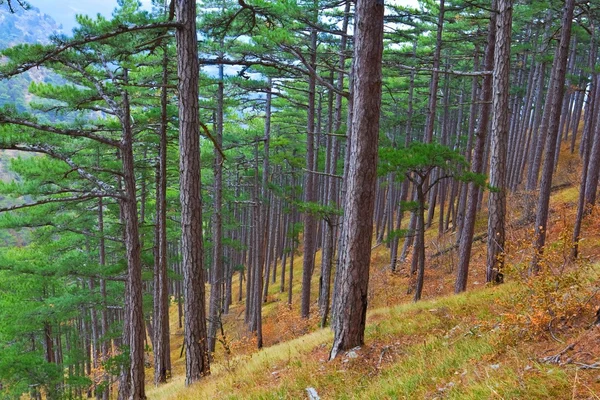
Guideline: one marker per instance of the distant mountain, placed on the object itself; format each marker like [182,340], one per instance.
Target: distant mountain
[25,26]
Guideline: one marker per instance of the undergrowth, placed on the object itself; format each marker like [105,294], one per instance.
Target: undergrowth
[490,342]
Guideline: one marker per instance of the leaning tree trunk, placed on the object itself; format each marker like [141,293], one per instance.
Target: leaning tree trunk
[464,188]
[500,124]
[435,78]
[432,103]
[581,205]
[419,250]
[540,141]
[134,272]
[593,168]
[161,290]
[216,288]
[468,225]
[310,193]
[195,337]
[105,343]
[353,272]
[557,83]
[268,207]
[264,220]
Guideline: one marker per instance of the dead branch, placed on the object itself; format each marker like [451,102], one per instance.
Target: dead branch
[556,358]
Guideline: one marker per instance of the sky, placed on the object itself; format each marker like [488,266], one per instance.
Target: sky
[64,11]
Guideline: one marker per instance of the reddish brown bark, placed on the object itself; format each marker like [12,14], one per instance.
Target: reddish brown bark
[195,338]
[499,139]
[353,273]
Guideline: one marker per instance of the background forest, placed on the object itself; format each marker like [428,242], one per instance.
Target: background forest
[179,190]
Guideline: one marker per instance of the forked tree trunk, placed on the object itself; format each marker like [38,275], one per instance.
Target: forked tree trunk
[419,253]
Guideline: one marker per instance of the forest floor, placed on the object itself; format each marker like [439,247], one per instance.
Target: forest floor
[529,338]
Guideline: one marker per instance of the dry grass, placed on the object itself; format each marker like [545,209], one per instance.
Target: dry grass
[486,343]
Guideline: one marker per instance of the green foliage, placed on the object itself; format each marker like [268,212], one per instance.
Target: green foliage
[419,156]
[418,160]
[318,210]
[51,252]
[20,369]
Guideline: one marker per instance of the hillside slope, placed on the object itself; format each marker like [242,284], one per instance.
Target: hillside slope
[531,338]
[452,347]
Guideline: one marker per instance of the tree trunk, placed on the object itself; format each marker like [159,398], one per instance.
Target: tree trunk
[581,206]
[216,288]
[464,187]
[328,253]
[195,337]
[353,272]
[419,253]
[162,350]
[257,266]
[500,125]
[477,164]
[593,131]
[105,342]
[134,273]
[310,194]
[267,206]
[557,83]
[540,142]
[433,84]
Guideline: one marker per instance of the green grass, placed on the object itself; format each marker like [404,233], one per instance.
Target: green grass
[443,348]
[449,347]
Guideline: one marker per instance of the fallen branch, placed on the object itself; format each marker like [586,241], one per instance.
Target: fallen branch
[383,351]
[481,236]
[552,333]
[555,359]
[595,365]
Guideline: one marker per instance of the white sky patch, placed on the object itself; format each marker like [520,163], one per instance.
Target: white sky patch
[64,11]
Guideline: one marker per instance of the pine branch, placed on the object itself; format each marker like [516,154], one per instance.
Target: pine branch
[66,229]
[444,71]
[66,45]
[212,139]
[52,274]
[99,87]
[86,233]
[65,132]
[108,190]
[312,72]
[52,200]
[250,63]
[323,174]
